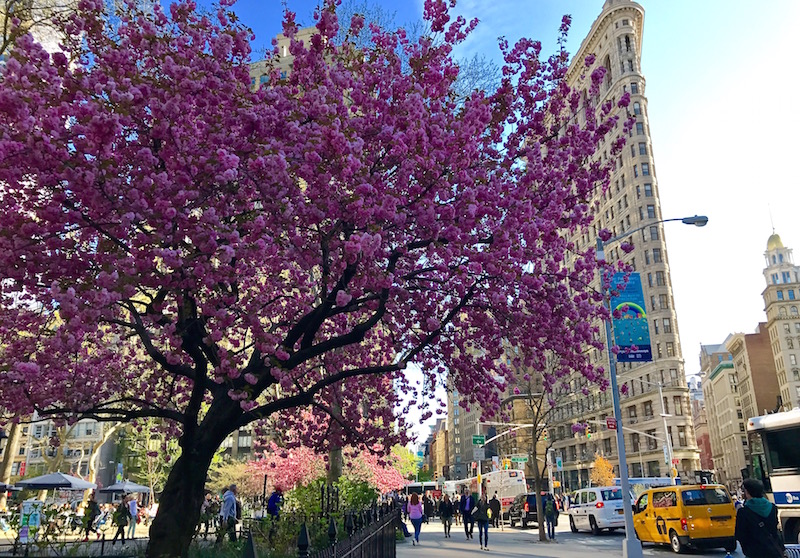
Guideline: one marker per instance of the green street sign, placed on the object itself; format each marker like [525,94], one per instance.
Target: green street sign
[478,439]
[519,460]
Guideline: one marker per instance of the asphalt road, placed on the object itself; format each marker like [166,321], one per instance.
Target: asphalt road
[517,542]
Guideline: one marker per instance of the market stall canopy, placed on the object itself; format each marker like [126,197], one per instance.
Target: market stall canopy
[60,481]
[125,487]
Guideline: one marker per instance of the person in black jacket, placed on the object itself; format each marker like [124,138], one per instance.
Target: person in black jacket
[494,505]
[446,513]
[757,524]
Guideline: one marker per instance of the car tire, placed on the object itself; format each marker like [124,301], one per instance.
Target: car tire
[593,526]
[572,525]
[675,542]
[730,546]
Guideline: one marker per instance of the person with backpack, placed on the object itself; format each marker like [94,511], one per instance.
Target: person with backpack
[122,516]
[757,524]
[551,517]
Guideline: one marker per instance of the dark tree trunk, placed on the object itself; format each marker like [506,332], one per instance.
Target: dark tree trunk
[537,484]
[179,507]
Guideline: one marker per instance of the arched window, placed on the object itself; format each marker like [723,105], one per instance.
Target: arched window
[773,259]
[782,312]
[794,310]
[789,343]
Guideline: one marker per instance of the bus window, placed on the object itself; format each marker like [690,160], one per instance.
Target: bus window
[784,451]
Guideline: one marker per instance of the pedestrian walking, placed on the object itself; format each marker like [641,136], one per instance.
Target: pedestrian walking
[121,519]
[228,514]
[133,508]
[757,524]
[446,513]
[90,515]
[481,515]
[494,505]
[551,517]
[466,506]
[427,507]
[415,513]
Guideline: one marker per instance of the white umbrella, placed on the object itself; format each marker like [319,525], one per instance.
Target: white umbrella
[60,481]
[125,487]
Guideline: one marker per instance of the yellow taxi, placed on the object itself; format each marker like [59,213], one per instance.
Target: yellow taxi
[695,515]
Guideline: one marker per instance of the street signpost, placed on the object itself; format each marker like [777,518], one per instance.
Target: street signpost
[478,439]
[478,454]
[519,460]
[559,464]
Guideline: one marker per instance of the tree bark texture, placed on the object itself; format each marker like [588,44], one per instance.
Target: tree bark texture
[11,448]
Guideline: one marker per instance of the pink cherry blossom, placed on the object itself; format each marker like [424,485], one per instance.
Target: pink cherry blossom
[180,245]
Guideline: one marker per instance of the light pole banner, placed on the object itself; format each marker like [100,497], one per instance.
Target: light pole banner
[629,318]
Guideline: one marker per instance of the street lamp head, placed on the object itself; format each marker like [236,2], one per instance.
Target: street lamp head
[696,220]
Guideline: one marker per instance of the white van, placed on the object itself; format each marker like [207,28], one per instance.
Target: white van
[595,509]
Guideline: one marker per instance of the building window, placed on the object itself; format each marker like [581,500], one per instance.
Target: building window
[790,292]
[640,128]
[649,279]
[663,301]
[677,403]
[645,169]
[642,148]
[786,328]
[797,327]
[774,278]
[635,442]
[789,343]
[635,87]
[648,190]
[656,251]
[647,257]
[648,409]
[655,326]
[682,436]
[660,279]
[651,212]
[635,171]
[652,443]
[654,234]
[632,414]
[793,359]
[670,349]
[637,108]
[667,325]
[607,446]
[796,375]
[780,295]
[793,311]
[659,352]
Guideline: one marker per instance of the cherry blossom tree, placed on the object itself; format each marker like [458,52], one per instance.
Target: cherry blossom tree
[178,244]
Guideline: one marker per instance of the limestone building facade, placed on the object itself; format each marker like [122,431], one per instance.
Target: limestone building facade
[630,203]
[781,303]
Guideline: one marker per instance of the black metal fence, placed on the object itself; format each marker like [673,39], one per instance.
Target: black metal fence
[370,534]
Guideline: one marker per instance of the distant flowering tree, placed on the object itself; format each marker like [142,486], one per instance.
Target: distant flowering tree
[177,245]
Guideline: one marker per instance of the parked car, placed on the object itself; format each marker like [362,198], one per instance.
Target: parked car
[523,509]
[596,509]
[695,515]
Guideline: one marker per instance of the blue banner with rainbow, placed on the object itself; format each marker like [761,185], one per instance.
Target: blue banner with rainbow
[629,317]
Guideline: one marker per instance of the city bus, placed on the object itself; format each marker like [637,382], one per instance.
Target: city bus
[508,484]
[422,488]
[775,460]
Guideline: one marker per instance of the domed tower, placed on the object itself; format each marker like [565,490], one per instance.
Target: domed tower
[782,305]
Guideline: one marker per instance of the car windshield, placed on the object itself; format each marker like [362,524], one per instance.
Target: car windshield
[611,494]
[705,496]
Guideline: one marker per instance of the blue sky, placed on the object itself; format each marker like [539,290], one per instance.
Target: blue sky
[722,84]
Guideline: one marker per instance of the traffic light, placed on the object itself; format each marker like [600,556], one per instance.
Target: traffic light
[589,431]
[545,435]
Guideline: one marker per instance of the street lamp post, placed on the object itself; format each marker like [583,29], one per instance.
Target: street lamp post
[631,547]
[667,438]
